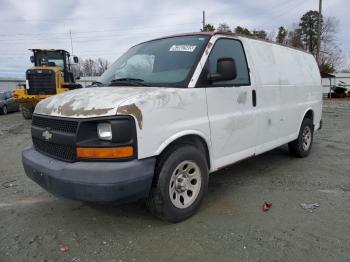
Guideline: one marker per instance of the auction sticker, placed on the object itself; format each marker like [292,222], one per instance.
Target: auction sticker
[182,48]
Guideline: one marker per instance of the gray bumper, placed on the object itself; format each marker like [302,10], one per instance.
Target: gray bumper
[90,181]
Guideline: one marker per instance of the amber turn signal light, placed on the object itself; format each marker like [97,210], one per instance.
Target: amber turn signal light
[105,152]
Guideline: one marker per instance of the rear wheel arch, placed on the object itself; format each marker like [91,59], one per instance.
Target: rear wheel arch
[309,114]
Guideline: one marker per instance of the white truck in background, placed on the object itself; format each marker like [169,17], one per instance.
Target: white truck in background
[169,112]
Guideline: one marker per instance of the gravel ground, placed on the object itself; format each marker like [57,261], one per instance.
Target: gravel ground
[230,226]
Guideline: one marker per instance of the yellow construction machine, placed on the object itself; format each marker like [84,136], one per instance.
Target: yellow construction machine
[50,75]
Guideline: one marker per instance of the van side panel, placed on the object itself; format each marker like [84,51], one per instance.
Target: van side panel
[268,94]
[288,84]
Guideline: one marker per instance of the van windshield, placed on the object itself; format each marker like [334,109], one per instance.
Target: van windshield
[163,62]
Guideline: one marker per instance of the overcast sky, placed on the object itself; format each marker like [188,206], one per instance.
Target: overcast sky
[107,28]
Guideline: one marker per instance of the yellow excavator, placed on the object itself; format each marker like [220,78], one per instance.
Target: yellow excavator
[50,75]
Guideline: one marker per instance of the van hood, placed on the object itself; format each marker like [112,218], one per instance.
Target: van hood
[89,102]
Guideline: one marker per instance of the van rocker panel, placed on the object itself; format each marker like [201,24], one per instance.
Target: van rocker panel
[90,181]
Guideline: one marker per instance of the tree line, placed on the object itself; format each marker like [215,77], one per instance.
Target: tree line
[302,34]
[90,67]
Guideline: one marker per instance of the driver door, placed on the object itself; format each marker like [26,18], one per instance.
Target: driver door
[231,106]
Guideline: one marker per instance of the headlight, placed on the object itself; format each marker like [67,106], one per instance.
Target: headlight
[104,131]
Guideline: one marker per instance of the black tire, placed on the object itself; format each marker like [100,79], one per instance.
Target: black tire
[159,201]
[3,110]
[298,147]
[27,113]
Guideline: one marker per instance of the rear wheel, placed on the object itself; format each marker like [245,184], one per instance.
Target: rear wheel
[181,181]
[3,110]
[302,145]
[27,112]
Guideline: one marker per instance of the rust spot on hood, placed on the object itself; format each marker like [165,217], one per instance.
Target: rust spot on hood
[133,110]
[67,109]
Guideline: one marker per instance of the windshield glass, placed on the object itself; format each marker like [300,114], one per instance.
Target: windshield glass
[49,59]
[163,62]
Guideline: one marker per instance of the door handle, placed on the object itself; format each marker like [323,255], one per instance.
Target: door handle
[254,97]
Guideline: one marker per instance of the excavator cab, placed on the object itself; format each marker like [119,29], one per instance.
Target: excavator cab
[50,75]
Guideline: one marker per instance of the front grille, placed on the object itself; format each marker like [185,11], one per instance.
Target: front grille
[55,149]
[63,152]
[41,82]
[61,125]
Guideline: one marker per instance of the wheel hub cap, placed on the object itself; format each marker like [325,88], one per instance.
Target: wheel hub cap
[307,136]
[181,183]
[185,184]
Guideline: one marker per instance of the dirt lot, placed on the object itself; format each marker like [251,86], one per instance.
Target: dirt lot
[230,226]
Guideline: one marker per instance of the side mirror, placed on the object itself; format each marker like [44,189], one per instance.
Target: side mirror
[32,59]
[225,70]
[75,59]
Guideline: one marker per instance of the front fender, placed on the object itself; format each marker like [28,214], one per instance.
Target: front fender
[166,114]
[178,135]
[184,133]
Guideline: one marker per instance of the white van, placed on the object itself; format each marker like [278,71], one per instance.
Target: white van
[169,112]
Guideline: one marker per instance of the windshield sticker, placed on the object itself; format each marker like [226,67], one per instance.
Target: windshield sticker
[182,48]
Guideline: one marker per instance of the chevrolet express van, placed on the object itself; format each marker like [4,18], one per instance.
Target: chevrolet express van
[169,112]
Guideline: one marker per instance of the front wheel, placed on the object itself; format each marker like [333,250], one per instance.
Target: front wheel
[302,145]
[181,181]
[3,110]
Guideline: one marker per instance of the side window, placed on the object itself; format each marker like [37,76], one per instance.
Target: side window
[233,49]
[8,95]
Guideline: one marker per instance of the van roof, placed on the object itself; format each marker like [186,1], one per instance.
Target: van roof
[230,34]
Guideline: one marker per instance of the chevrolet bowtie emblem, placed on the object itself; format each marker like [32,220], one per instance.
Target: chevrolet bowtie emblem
[46,135]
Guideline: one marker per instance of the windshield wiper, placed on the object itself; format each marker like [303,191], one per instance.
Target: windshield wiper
[96,83]
[128,81]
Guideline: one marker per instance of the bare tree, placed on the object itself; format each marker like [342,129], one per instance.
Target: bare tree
[329,29]
[294,37]
[331,57]
[102,65]
[330,54]
[89,67]
[224,27]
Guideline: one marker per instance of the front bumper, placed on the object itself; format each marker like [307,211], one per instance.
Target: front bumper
[90,181]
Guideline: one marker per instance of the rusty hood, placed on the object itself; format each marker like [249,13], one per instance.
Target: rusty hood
[89,102]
